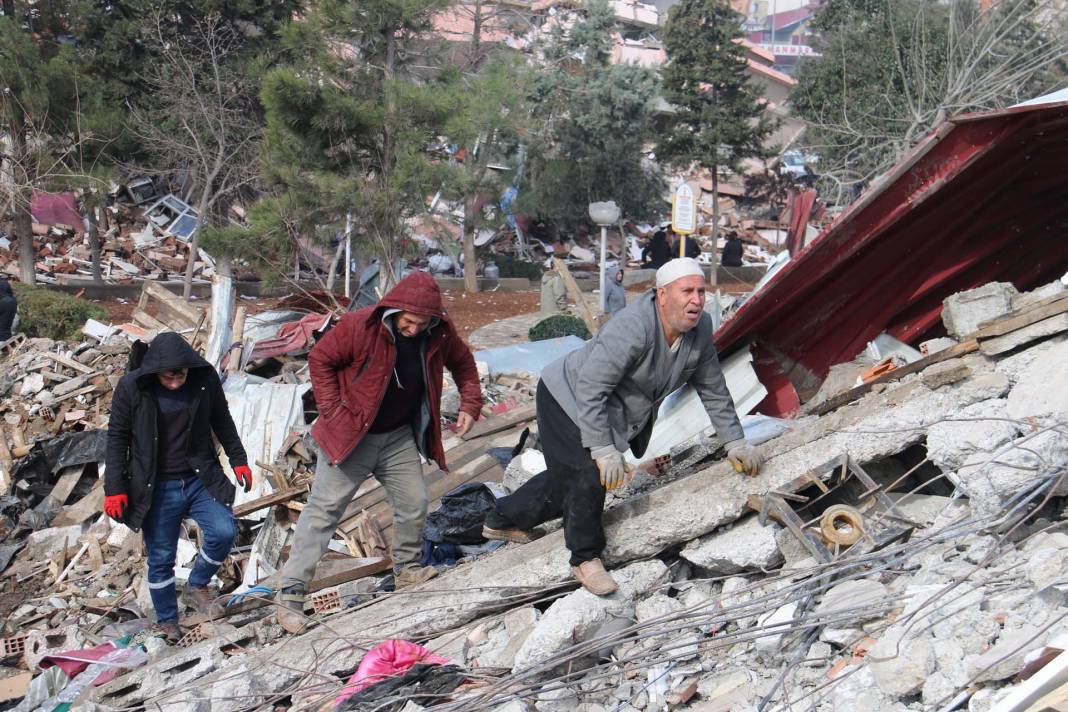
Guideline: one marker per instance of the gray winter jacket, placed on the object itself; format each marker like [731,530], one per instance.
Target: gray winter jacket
[553,293]
[615,298]
[613,386]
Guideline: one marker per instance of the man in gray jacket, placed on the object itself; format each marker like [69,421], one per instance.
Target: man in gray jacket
[601,399]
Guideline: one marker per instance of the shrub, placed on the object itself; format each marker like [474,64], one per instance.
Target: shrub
[557,325]
[511,267]
[53,314]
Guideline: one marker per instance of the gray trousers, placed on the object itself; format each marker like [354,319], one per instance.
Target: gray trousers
[394,460]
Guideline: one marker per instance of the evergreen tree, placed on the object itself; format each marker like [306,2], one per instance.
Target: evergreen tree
[719,117]
[592,121]
[350,119]
[38,97]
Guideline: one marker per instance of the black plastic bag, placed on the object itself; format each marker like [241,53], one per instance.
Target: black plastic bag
[424,683]
[461,515]
[50,456]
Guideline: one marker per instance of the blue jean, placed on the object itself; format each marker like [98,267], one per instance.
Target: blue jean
[173,500]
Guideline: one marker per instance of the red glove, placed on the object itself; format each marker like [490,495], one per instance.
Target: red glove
[244,476]
[115,506]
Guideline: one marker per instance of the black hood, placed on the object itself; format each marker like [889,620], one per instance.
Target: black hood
[169,352]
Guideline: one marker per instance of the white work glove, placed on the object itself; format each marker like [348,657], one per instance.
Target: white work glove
[745,458]
[614,471]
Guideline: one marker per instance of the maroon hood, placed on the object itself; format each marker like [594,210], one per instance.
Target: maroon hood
[418,293]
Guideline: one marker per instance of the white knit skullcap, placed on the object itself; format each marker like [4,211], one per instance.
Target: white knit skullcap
[676,269]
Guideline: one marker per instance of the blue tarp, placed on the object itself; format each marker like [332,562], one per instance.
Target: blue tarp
[529,357]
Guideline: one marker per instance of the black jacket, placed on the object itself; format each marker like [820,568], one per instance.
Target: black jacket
[132,450]
[656,254]
[8,306]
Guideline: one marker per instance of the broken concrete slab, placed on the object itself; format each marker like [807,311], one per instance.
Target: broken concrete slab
[173,674]
[522,467]
[1005,658]
[743,546]
[902,659]
[574,617]
[856,597]
[1026,299]
[990,479]
[1042,389]
[44,543]
[964,312]
[980,427]
[1016,364]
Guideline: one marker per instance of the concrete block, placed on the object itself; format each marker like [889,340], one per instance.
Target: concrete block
[743,546]
[964,312]
[942,374]
[572,618]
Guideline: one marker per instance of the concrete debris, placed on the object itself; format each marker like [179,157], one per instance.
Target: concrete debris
[964,312]
[717,610]
[745,546]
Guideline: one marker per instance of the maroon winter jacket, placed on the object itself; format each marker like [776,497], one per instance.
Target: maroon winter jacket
[352,365]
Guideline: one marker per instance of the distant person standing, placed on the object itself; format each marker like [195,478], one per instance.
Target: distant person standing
[615,297]
[658,252]
[733,251]
[553,291]
[8,308]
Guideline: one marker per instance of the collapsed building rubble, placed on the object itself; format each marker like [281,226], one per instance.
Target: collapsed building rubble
[937,591]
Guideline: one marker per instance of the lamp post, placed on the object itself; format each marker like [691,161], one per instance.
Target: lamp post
[604,214]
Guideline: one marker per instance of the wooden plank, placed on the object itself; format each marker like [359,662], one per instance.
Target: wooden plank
[255,505]
[143,318]
[835,402]
[66,482]
[504,421]
[86,507]
[1042,309]
[1007,326]
[173,302]
[576,294]
[68,362]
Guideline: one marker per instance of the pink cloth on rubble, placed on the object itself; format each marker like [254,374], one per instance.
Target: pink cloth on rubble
[389,658]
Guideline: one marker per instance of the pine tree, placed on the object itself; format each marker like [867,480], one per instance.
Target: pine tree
[350,120]
[592,122]
[719,117]
[38,93]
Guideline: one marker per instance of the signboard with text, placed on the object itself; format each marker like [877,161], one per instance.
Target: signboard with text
[684,210]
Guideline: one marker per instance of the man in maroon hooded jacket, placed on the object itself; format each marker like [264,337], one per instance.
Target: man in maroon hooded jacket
[377,379]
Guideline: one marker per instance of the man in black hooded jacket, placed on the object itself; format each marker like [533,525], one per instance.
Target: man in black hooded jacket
[162,466]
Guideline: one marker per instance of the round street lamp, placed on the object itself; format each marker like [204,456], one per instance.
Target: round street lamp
[604,214]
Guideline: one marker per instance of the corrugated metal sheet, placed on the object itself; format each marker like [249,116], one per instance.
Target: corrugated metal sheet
[980,199]
[263,413]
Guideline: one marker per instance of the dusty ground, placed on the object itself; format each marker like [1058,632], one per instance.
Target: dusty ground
[469,312]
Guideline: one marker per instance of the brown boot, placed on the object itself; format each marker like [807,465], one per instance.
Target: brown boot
[289,609]
[169,630]
[516,536]
[199,598]
[413,575]
[594,578]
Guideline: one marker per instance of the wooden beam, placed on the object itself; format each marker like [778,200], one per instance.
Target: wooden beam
[255,505]
[504,421]
[576,294]
[961,349]
[1043,310]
